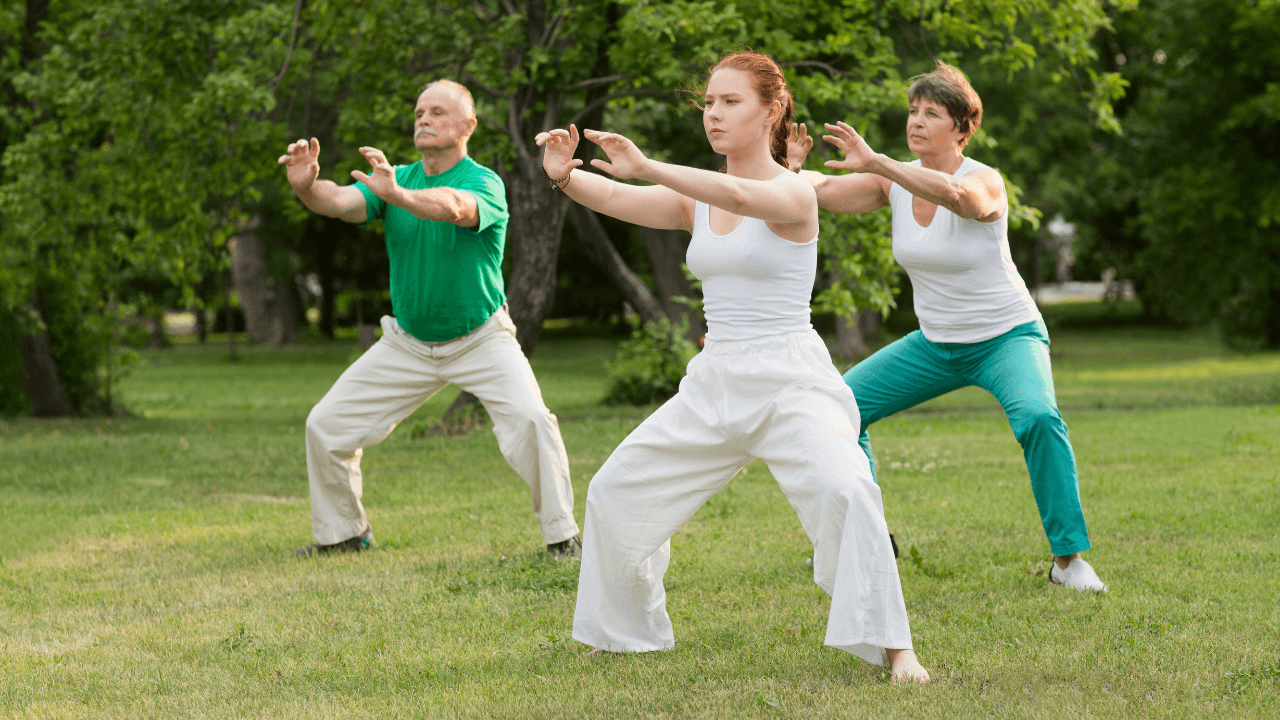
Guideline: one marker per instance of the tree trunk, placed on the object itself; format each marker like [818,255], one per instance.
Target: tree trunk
[666,251]
[849,341]
[251,275]
[533,239]
[595,240]
[42,384]
[272,309]
[286,313]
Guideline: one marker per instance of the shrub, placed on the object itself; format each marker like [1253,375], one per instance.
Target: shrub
[649,365]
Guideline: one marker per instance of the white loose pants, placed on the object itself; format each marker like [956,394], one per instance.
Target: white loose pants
[780,399]
[399,373]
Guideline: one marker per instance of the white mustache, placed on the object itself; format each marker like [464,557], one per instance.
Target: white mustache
[427,130]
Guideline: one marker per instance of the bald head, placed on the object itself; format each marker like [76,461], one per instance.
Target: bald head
[459,91]
[444,118]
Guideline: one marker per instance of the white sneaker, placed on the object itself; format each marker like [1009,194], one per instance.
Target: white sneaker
[1078,575]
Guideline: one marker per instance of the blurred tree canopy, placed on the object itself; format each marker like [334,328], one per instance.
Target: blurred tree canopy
[140,136]
[1187,200]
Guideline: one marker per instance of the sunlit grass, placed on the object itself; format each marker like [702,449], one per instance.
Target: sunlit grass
[146,567]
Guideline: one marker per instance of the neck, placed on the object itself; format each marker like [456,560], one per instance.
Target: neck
[754,164]
[438,160]
[947,161]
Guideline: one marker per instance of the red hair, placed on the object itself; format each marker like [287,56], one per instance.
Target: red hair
[770,85]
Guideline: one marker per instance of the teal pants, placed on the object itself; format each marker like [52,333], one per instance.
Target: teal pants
[1014,367]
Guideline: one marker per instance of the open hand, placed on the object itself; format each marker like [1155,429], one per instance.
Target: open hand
[383,180]
[558,147]
[859,157]
[798,146]
[302,163]
[625,159]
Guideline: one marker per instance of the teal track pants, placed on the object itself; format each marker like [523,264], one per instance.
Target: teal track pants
[1014,367]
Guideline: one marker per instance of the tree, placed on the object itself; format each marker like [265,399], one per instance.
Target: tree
[1188,202]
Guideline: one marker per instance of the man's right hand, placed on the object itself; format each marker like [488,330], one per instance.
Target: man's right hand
[302,163]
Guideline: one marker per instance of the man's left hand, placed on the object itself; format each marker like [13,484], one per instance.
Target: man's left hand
[383,179]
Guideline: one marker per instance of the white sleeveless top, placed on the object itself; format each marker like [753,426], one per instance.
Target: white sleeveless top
[754,283]
[966,286]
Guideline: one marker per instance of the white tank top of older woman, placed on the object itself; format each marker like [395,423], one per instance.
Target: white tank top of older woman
[966,286]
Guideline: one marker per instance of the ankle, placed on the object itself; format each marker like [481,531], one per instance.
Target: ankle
[1064,560]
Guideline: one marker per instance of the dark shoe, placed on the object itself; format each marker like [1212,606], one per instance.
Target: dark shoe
[570,549]
[360,542]
[894,543]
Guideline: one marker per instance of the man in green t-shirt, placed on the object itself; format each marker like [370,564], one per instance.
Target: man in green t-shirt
[446,225]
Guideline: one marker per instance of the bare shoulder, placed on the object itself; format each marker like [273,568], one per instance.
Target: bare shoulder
[986,177]
[797,186]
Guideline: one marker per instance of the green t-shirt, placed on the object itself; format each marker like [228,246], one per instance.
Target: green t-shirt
[445,280]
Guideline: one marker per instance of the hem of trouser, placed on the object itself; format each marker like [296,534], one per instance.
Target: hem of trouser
[1070,549]
[874,654]
[563,535]
[324,541]
[607,647]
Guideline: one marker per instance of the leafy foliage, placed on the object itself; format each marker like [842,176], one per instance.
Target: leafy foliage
[650,364]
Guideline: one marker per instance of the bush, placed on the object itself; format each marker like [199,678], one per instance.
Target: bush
[649,365]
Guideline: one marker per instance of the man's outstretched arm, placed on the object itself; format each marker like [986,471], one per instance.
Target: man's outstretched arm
[443,204]
[302,163]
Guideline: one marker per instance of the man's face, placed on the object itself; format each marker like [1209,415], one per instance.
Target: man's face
[441,119]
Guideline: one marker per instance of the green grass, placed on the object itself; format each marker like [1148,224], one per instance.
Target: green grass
[145,566]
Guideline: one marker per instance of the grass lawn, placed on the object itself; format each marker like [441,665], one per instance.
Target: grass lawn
[146,566]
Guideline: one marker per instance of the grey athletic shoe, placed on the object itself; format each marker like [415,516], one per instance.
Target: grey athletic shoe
[363,541]
[570,549]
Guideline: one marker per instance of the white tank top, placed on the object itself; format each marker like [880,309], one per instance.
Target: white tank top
[754,283]
[966,286]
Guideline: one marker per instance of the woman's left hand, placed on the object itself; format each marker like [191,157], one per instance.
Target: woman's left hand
[625,159]
[859,157]
[798,146]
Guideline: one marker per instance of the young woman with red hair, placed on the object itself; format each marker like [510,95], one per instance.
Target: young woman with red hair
[763,387]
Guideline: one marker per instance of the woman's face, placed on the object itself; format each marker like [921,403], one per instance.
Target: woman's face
[930,129]
[732,114]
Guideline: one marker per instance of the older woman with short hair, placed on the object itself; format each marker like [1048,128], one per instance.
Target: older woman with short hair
[978,324]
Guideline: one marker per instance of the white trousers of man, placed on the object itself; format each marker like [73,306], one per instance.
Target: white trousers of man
[399,373]
[777,398]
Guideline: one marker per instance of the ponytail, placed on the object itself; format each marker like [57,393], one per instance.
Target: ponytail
[781,128]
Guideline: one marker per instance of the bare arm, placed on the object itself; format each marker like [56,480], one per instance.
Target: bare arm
[443,204]
[844,194]
[785,202]
[302,164]
[976,196]
[654,206]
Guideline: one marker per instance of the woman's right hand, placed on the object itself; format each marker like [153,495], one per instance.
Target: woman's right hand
[798,146]
[558,147]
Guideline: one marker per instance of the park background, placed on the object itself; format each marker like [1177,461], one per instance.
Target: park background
[153,482]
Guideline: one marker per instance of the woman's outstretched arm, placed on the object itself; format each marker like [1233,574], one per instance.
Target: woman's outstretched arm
[844,194]
[786,202]
[654,206]
[977,196]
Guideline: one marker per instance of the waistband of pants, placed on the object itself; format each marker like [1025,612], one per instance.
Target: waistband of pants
[469,333]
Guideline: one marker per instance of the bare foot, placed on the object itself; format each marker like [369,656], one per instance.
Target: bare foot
[905,669]
[597,652]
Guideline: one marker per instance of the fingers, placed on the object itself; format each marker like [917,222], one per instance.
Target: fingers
[573,133]
[556,136]
[376,158]
[314,146]
[602,165]
[360,176]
